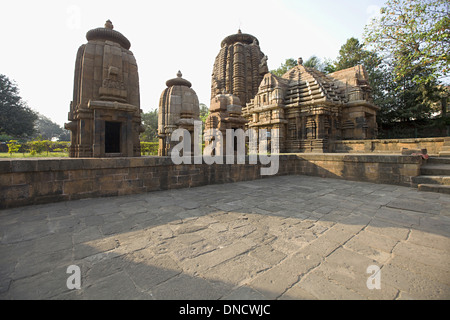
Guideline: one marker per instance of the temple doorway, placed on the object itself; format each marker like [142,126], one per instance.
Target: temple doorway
[112,137]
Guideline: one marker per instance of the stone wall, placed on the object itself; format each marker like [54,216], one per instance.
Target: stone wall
[394,146]
[26,182]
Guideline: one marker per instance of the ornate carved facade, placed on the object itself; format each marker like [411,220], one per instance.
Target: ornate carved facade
[105,115]
[239,67]
[311,109]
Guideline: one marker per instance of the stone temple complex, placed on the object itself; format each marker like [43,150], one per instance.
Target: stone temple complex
[105,115]
[178,109]
[309,109]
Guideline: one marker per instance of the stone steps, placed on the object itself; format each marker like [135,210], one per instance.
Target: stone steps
[442,180]
[434,188]
[438,160]
[435,175]
[445,150]
[435,170]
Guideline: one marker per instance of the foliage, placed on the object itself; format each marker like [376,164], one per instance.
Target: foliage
[149,148]
[415,34]
[49,130]
[16,118]
[351,54]
[150,124]
[354,53]
[315,62]
[34,155]
[13,146]
[39,146]
[5,138]
[404,99]
[415,129]
[285,67]
[204,112]
[400,99]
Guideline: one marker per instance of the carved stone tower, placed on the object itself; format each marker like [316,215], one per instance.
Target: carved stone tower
[105,115]
[178,109]
[239,67]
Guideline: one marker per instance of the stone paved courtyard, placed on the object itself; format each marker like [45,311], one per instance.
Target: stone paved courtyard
[290,237]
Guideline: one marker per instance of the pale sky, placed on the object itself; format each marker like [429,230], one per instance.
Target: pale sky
[40,39]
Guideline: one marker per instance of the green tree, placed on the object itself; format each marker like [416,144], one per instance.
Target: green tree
[326,66]
[16,118]
[13,146]
[150,124]
[404,98]
[415,34]
[48,129]
[39,146]
[285,67]
[351,54]
[315,62]
[204,113]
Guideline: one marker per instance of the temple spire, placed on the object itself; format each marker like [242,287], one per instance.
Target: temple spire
[109,25]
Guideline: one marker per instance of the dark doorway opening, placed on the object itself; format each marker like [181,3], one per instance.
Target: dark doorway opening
[112,137]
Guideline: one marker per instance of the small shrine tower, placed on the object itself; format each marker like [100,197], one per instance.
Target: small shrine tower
[105,115]
[178,109]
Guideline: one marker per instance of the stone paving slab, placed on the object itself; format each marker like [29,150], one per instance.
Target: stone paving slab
[290,237]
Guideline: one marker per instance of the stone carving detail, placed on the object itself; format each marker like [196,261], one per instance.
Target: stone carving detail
[309,107]
[263,68]
[113,84]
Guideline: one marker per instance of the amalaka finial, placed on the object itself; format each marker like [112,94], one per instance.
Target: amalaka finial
[239,31]
[300,61]
[179,74]
[109,25]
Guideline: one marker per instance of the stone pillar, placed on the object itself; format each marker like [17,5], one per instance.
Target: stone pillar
[99,136]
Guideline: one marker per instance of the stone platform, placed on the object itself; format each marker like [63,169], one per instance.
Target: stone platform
[287,237]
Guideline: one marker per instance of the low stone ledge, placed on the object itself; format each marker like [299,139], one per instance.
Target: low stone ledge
[36,181]
[393,146]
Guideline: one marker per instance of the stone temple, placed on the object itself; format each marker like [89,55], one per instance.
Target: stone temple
[178,109]
[105,115]
[238,71]
[309,109]
[239,67]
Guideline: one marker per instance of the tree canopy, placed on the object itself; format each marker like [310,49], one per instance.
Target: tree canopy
[284,67]
[150,124]
[16,118]
[48,130]
[415,35]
